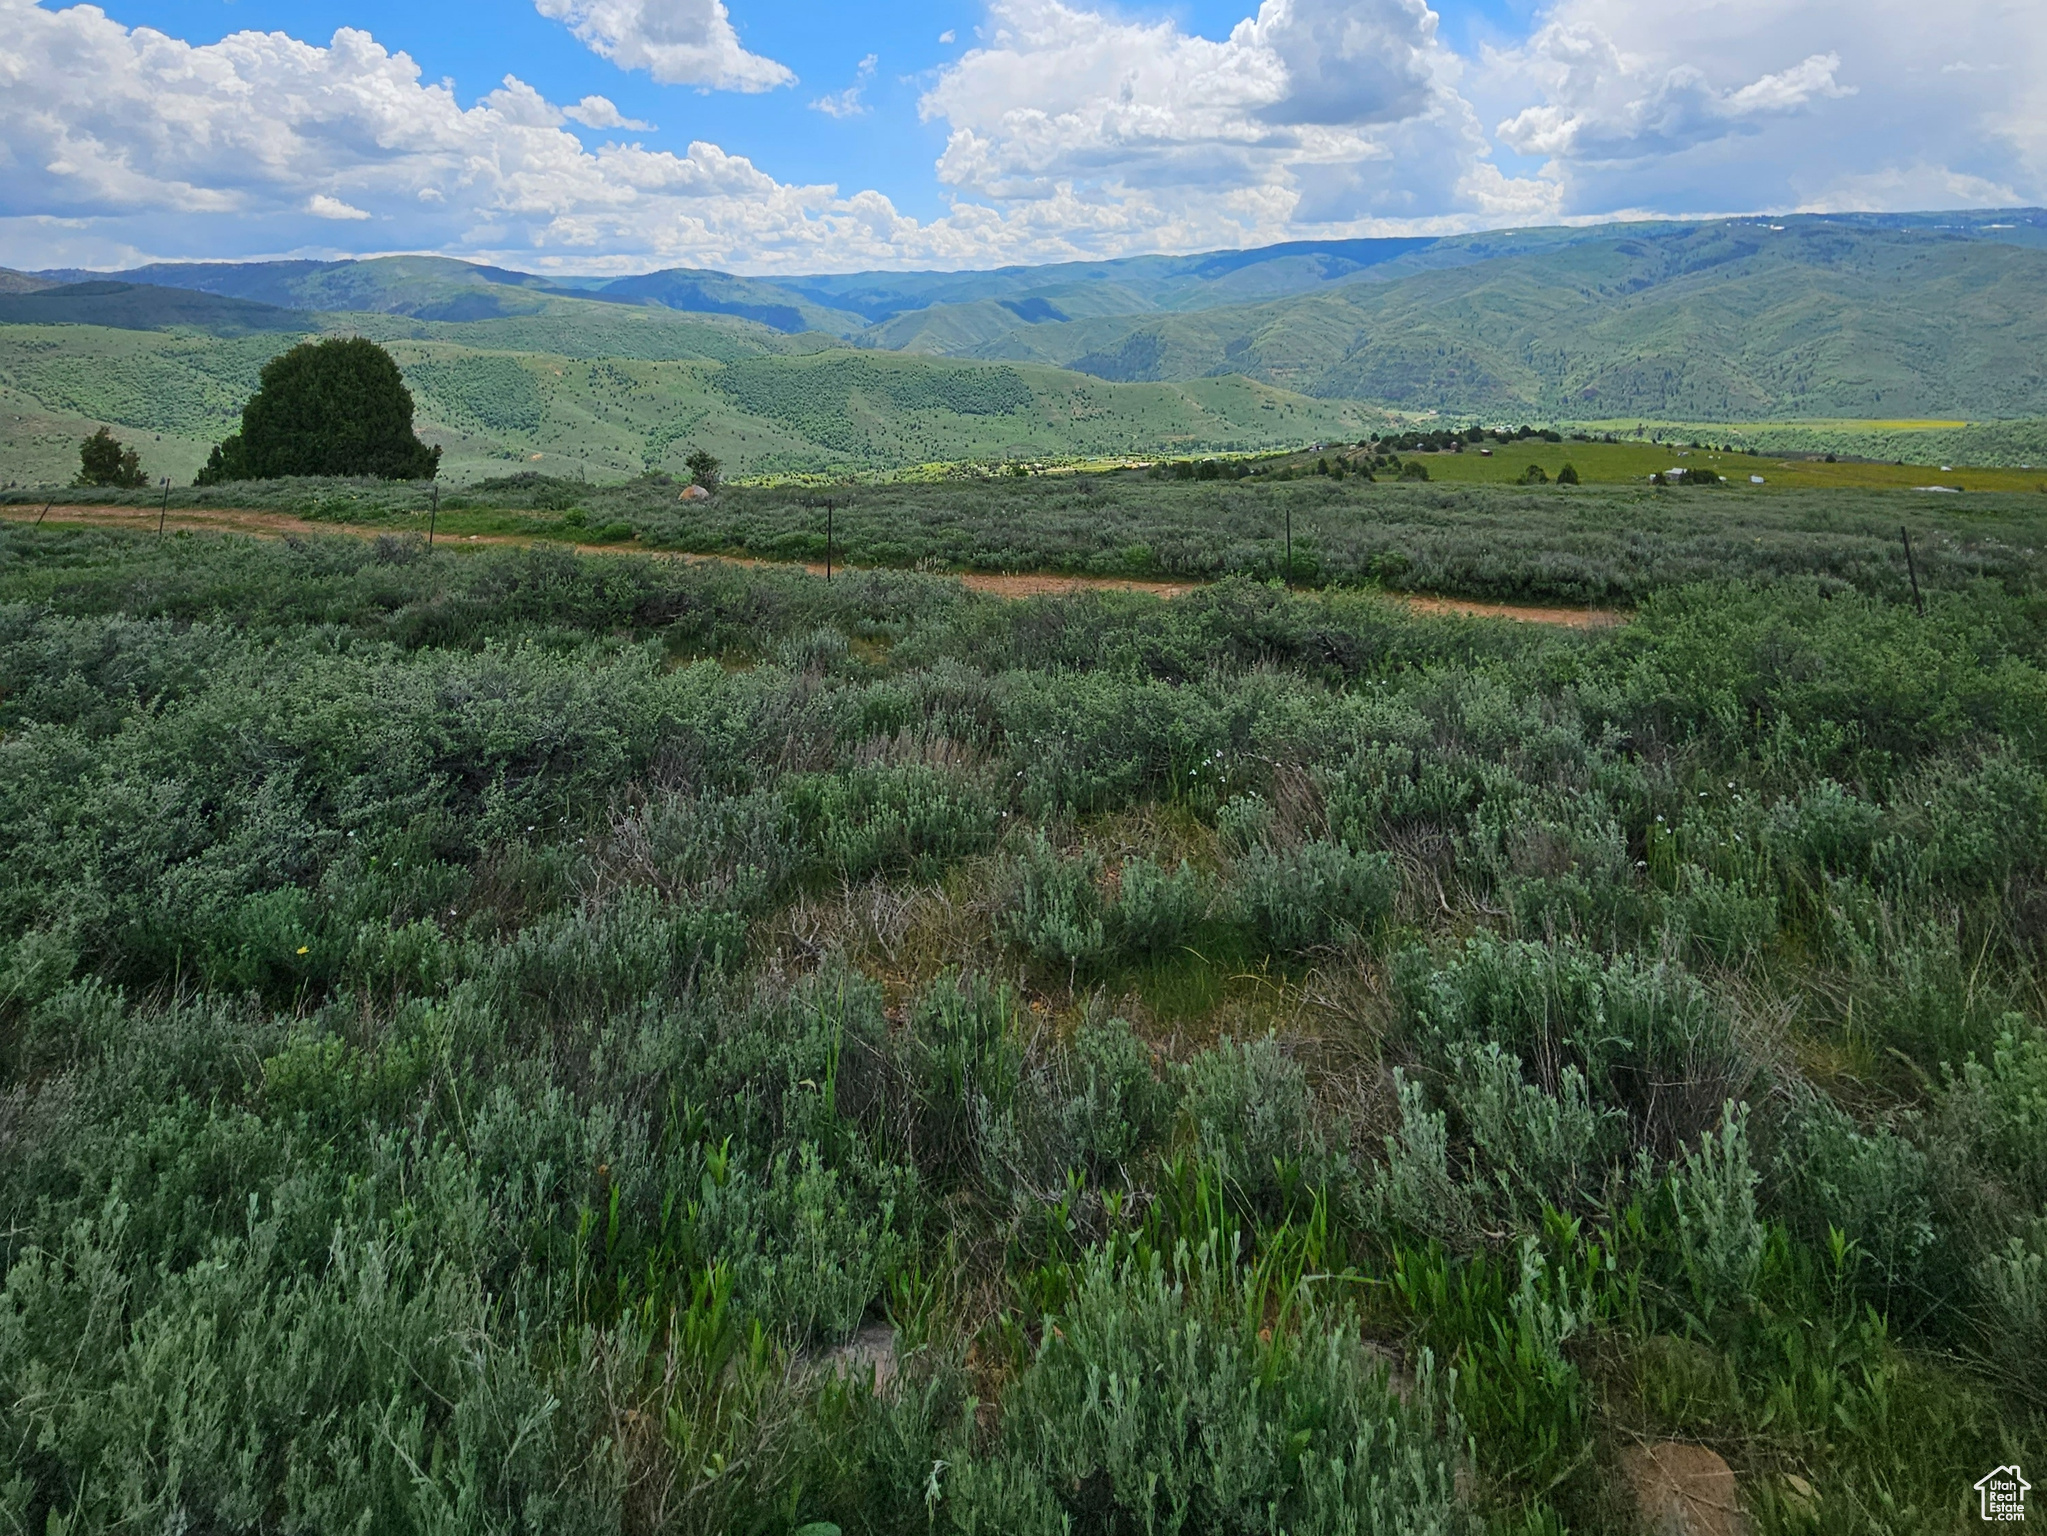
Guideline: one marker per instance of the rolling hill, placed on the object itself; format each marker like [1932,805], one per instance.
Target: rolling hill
[627,398]
[1812,316]
[1740,320]
[140,306]
[1801,319]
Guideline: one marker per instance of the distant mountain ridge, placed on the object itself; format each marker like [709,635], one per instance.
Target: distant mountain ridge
[137,306]
[1853,315]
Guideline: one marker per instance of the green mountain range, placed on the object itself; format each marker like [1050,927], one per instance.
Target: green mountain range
[1727,322]
[607,391]
[1835,317]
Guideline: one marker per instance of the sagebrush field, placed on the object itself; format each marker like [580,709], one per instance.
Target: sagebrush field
[527,1040]
[1544,544]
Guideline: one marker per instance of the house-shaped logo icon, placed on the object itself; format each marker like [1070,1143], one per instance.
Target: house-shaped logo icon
[2003,1493]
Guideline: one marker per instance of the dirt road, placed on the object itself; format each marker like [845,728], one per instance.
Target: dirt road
[277,524]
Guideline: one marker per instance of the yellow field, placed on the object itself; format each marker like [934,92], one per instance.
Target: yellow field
[1725,429]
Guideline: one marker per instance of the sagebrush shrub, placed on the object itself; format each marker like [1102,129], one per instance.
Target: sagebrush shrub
[1537,1149]
[1647,1036]
[1116,1103]
[1053,909]
[1997,1108]
[1713,1187]
[1875,1188]
[1159,1403]
[1313,894]
[912,819]
[1252,1115]
[1156,910]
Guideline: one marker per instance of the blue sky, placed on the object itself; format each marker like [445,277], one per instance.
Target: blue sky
[785,135]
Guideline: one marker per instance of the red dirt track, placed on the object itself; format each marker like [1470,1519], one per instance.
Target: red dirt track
[274,525]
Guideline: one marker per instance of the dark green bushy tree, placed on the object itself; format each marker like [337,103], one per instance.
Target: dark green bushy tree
[703,469]
[335,407]
[103,461]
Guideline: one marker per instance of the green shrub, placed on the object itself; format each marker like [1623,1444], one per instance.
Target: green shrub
[1415,1190]
[1720,1235]
[1311,895]
[1116,1106]
[1159,1402]
[1518,1323]
[807,1254]
[913,819]
[963,1056]
[1719,920]
[1997,1109]
[1156,911]
[1876,1189]
[1252,1117]
[1244,822]
[1647,1037]
[1054,910]
[2012,1313]
[1538,1150]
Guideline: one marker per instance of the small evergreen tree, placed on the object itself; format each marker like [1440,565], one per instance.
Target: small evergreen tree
[1568,475]
[703,469]
[335,407]
[103,461]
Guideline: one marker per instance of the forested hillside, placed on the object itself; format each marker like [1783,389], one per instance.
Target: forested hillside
[610,391]
[1731,322]
[1812,323]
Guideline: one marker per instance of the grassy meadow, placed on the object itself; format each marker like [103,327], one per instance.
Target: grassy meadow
[505,1039]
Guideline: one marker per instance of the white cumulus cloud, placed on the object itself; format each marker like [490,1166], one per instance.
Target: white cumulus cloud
[1602,110]
[847,103]
[602,112]
[1309,112]
[324,207]
[120,145]
[1704,105]
[678,42]
[117,143]
[1069,131]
